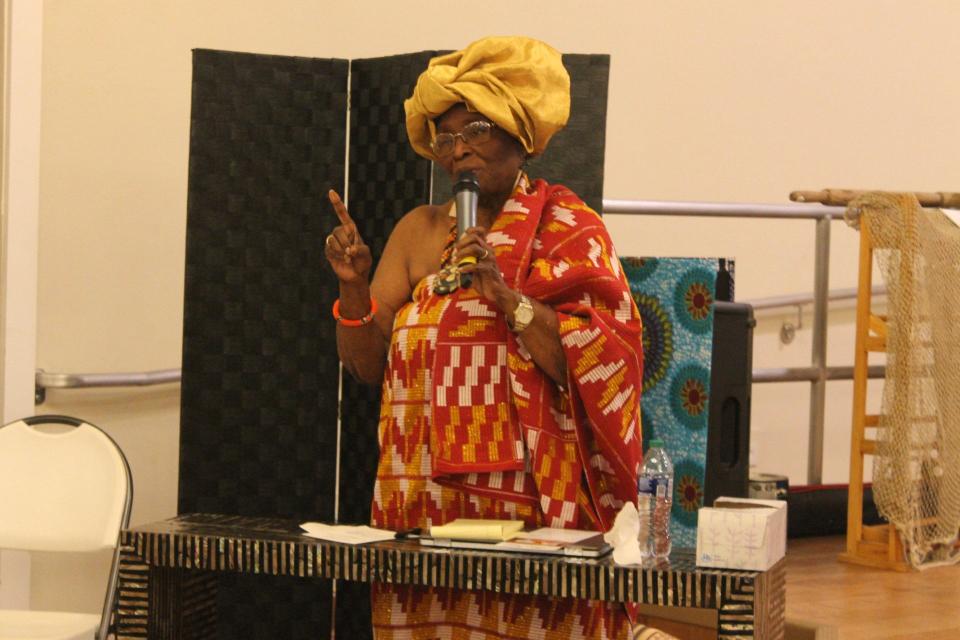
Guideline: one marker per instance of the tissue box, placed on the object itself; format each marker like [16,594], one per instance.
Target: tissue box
[740,533]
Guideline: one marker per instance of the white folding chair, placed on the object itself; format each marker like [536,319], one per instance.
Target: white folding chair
[64,491]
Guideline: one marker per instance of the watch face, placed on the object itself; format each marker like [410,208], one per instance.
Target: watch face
[523,315]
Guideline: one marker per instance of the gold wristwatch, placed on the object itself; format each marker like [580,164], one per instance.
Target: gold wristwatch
[522,315]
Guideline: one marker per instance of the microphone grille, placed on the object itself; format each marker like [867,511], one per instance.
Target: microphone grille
[466,180]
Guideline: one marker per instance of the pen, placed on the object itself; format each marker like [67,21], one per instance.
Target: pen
[406,534]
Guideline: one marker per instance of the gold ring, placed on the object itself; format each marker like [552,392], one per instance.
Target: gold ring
[329,238]
[485,254]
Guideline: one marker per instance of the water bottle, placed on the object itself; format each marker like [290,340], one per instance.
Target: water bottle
[654,501]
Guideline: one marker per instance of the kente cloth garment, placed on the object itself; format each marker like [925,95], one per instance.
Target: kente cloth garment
[519,83]
[471,427]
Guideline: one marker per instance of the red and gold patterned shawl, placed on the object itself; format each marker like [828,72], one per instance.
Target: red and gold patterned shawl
[496,430]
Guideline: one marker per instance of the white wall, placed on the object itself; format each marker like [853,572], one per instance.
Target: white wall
[737,101]
[19,213]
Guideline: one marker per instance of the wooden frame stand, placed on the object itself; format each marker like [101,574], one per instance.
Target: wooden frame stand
[876,545]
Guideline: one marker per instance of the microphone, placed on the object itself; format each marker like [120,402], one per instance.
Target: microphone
[466,193]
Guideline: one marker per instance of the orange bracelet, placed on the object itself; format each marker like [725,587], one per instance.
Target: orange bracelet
[359,322]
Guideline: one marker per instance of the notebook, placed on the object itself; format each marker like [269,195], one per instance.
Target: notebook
[561,542]
[484,530]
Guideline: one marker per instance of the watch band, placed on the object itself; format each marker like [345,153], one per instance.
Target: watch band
[522,315]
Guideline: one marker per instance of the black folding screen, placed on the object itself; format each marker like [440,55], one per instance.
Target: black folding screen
[387,179]
[260,380]
[259,389]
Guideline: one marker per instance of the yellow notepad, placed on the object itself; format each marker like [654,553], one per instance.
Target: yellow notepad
[468,529]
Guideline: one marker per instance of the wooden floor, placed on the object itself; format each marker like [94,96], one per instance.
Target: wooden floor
[860,602]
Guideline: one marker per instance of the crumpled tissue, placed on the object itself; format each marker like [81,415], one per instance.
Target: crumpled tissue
[623,536]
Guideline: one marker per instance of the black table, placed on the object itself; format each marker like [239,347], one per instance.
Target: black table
[168,575]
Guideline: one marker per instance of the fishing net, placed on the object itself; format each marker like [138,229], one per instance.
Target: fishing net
[916,471]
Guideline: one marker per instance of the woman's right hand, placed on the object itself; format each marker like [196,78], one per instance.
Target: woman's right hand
[345,250]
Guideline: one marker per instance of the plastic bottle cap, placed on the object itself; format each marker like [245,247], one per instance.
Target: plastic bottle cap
[656,443]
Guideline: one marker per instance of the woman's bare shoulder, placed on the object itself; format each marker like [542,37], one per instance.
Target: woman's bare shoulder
[422,219]
[418,239]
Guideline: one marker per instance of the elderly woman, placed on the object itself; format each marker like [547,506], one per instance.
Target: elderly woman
[516,396]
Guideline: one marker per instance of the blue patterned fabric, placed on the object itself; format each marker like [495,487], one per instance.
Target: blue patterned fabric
[675,297]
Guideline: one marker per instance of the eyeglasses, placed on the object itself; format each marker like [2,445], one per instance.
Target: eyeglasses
[475,133]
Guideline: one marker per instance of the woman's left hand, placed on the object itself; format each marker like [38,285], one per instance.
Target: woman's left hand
[487,279]
[541,337]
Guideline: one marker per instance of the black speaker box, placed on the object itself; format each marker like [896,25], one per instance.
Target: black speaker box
[821,510]
[728,435]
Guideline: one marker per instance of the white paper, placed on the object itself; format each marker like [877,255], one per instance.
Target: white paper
[346,534]
[550,534]
[623,536]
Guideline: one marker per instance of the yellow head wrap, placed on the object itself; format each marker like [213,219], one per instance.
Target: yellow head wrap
[519,83]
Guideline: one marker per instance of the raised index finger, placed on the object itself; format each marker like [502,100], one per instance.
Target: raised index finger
[339,208]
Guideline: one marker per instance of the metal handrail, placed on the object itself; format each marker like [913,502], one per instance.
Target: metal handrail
[76,380]
[800,299]
[822,215]
[47,380]
[44,380]
[170,376]
[812,374]
[723,209]
[817,374]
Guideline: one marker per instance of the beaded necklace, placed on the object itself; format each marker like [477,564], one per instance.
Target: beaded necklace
[448,247]
[448,278]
